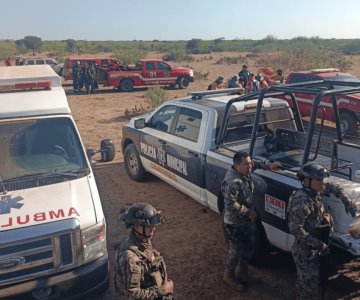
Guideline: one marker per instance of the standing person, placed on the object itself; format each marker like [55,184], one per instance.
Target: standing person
[240,218]
[311,226]
[76,76]
[8,62]
[141,272]
[245,74]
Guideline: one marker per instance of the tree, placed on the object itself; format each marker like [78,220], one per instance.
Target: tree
[70,45]
[30,42]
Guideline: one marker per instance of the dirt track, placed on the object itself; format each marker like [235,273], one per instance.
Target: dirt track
[191,238]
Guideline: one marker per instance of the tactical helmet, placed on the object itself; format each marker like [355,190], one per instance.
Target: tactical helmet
[141,214]
[279,72]
[235,78]
[313,170]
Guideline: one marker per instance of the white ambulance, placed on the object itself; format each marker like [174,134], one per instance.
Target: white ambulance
[52,226]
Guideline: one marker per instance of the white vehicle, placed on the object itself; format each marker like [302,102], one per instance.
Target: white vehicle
[52,226]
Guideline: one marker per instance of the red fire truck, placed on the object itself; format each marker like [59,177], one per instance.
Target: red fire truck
[149,72]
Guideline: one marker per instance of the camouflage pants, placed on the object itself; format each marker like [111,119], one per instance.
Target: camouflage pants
[241,243]
[307,268]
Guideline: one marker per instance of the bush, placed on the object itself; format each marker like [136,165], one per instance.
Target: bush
[156,95]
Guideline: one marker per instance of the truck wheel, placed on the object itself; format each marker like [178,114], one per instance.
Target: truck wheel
[133,166]
[126,85]
[348,123]
[183,82]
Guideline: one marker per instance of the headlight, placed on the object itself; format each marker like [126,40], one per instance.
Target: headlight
[94,241]
[191,73]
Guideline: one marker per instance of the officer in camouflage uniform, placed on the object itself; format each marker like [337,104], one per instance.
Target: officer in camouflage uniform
[307,220]
[240,218]
[141,270]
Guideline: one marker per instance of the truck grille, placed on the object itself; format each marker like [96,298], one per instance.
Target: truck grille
[45,254]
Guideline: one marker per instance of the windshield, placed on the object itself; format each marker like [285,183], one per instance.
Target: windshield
[41,146]
[348,78]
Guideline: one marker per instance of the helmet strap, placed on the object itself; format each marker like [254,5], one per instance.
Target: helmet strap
[146,237]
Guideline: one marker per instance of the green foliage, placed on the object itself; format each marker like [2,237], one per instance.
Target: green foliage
[199,75]
[130,56]
[299,59]
[231,60]
[30,42]
[156,95]
[70,45]
[7,48]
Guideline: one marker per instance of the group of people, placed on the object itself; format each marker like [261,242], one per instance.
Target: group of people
[248,82]
[84,76]
[141,270]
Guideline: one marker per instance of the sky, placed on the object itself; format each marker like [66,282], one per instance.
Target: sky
[178,19]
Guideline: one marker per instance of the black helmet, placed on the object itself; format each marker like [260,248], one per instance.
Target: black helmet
[313,170]
[141,214]
[279,72]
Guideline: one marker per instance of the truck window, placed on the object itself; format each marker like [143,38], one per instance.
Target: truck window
[150,65]
[163,118]
[188,124]
[295,78]
[50,62]
[40,62]
[39,146]
[30,62]
[163,66]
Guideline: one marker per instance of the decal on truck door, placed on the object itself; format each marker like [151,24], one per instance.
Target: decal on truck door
[163,158]
[275,206]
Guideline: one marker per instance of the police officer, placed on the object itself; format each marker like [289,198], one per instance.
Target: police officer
[240,218]
[307,220]
[76,76]
[141,272]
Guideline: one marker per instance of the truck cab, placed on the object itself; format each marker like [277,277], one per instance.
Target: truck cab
[52,226]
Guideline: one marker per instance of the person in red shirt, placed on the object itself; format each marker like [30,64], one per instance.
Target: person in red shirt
[8,62]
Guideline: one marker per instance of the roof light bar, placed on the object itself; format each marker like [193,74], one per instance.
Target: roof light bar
[26,85]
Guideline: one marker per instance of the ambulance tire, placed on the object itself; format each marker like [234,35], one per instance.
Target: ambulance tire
[126,85]
[133,165]
[348,123]
[183,82]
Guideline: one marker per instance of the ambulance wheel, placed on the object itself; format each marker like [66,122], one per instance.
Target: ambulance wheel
[133,165]
[183,82]
[348,123]
[126,85]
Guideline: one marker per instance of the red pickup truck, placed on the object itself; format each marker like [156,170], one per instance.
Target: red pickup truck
[149,72]
[349,104]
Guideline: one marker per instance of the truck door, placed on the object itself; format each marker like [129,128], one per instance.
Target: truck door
[149,73]
[164,72]
[173,141]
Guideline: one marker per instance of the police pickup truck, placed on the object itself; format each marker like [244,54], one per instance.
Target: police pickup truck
[189,143]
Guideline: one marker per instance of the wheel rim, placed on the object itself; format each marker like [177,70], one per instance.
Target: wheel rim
[344,126]
[133,164]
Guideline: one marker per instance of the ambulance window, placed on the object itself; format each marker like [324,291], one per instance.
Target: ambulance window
[30,62]
[163,118]
[150,65]
[188,124]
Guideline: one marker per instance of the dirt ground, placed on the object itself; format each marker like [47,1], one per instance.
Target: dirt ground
[191,238]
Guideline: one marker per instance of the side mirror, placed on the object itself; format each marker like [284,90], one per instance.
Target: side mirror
[139,123]
[107,150]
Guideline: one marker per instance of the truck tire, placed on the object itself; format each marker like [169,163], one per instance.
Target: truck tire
[348,123]
[133,165]
[126,85]
[183,82]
